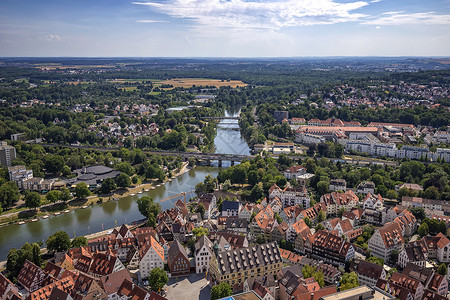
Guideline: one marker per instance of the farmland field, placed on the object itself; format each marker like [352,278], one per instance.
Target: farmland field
[186,82]
[189,82]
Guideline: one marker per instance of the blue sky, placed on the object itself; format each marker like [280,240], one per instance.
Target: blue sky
[224,28]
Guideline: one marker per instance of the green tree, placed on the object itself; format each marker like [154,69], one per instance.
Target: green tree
[52,196]
[16,258]
[307,221]
[257,192]
[65,194]
[201,209]
[108,185]
[33,200]
[322,216]
[391,194]
[310,271]
[144,205]
[394,256]
[278,218]
[322,188]
[221,290]
[53,163]
[319,227]
[341,212]
[423,230]
[82,191]
[79,241]
[58,242]
[376,260]
[418,212]
[432,193]
[199,231]
[348,281]
[123,180]
[442,269]
[261,239]
[9,194]
[66,171]
[157,279]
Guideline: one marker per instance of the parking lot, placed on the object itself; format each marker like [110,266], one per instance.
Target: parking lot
[193,287]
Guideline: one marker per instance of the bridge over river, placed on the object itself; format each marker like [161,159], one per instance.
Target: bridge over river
[207,157]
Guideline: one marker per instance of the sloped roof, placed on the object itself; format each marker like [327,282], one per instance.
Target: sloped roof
[112,282]
[175,249]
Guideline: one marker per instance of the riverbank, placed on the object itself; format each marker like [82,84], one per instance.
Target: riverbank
[45,212]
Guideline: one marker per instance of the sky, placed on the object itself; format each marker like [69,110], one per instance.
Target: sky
[224,28]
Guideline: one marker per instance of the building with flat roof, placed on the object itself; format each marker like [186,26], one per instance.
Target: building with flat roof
[7,154]
[360,293]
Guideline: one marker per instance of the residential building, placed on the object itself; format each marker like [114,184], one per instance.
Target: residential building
[245,212]
[443,248]
[7,154]
[235,240]
[130,291]
[151,255]
[411,254]
[373,202]
[235,266]
[18,174]
[279,232]
[298,228]
[409,186]
[178,260]
[37,184]
[330,273]
[104,264]
[203,254]
[264,286]
[290,196]
[7,288]
[369,273]
[385,240]
[330,248]
[366,187]
[294,171]
[230,208]
[209,202]
[430,280]
[337,185]
[111,283]
[335,201]
[31,276]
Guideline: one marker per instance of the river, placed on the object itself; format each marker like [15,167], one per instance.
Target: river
[106,215]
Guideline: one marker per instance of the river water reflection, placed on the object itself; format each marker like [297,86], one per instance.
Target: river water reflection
[106,215]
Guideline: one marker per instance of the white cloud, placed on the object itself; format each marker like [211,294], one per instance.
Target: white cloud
[377,27]
[49,37]
[375,1]
[150,21]
[402,18]
[259,14]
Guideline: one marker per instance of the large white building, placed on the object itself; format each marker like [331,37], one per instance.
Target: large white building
[203,254]
[152,256]
[291,196]
[19,174]
[385,240]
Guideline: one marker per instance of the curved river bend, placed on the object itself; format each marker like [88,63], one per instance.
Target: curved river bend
[125,210]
